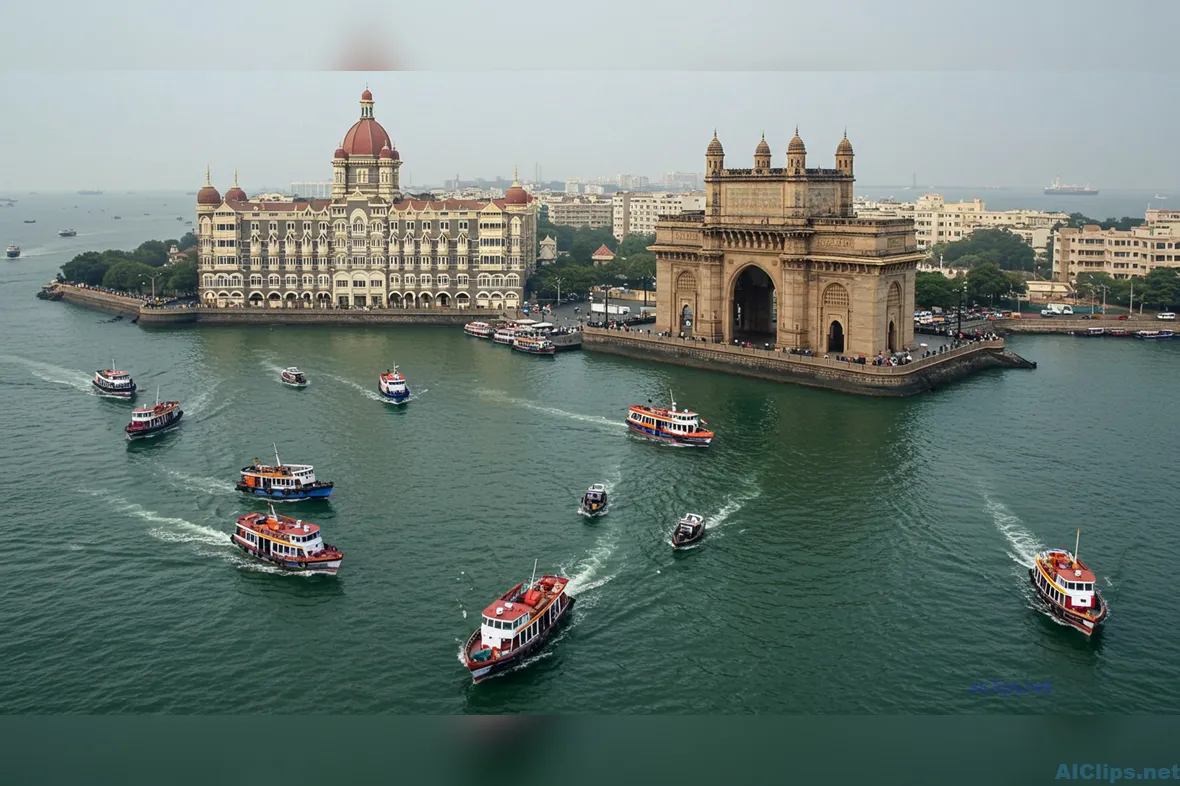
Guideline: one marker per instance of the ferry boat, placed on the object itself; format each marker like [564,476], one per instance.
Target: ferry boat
[114,383]
[289,482]
[1089,332]
[150,420]
[67,232]
[13,251]
[683,428]
[516,625]
[479,329]
[1153,334]
[291,544]
[594,501]
[293,376]
[534,345]
[1069,588]
[689,530]
[393,387]
[506,334]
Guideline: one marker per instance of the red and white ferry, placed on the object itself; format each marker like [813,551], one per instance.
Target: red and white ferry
[291,544]
[516,624]
[1069,588]
[479,329]
[146,421]
[114,383]
[680,427]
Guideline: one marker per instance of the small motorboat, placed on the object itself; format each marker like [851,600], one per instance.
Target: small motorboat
[393,388]
[689,530]
[594,502]
[294,377]
[67,232]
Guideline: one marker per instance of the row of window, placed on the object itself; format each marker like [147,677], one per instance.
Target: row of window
[484,281]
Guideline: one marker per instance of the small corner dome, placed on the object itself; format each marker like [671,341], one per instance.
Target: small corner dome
[341,152]
[714,147]
[516,196]
[366,96]
[208,195]
[844,148]
[796,145]
[763,148]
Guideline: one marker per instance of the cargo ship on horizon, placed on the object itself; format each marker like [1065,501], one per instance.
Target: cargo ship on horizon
[1056,188]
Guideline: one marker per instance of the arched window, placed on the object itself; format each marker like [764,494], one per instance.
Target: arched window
[444,280]
[462,279]
[207,280]
[836,296]
[292,281]
[324,281]
[272,280]
[255,280]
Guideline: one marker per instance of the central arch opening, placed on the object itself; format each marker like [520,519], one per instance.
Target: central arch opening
[836,336]
[892,337]
[686,320]
[755,307]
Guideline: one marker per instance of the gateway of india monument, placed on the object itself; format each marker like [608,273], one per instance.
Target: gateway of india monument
[778,256]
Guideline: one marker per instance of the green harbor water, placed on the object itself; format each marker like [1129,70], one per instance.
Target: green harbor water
[864,556]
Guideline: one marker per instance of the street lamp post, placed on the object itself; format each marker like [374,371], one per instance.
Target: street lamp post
[962,291]
[153,277]
[1104,289]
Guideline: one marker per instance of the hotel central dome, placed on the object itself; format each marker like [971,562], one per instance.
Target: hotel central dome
[366,137]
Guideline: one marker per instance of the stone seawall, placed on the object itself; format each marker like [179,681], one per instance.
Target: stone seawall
[167,317]
[103,301]
[1059,325]
[922,375]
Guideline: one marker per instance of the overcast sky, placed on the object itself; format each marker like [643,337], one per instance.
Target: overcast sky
[1074,90]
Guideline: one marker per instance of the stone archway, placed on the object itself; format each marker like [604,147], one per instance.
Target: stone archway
[754,307]
[835,336]
[891,336]
[893,316]
[443,300]
[686,320]
[684,299]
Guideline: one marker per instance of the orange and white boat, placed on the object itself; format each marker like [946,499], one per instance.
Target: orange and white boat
[1069,588]
[291,544]
[516,624]
[680,427]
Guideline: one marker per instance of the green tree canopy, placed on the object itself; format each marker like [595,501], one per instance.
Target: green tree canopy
[188,241]
[183,278]
[983,246]
[1161,288]
[988,281]
[935,289]
[129,275]
[152,252]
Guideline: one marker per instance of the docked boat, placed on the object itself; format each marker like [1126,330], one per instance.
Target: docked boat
[1153,334]
[594,501]
[1119,332]
[1069,588]
[505,334]
[1090,332]
[285,482]
[293,376]
[114,383]
[534,345]
[689,530]
[392,386]
[151,420]
[67,232]
[516,625]
[479,329]
[683,428]
[291,544]
[13,251]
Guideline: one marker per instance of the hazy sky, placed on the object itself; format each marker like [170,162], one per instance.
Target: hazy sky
[591,94]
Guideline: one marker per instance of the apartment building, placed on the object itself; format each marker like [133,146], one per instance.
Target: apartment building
[1119,253]
[636,213]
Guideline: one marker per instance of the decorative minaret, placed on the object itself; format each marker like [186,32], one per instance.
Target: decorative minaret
[386,172]
[714,167]
[796,156]
[762,155]
[844,167]
[340,172]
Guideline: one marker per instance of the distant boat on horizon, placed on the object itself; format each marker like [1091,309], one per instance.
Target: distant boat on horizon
[1057,189]
[89,193]
[1160,196]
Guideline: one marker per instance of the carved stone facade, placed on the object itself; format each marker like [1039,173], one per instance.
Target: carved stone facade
[779,256]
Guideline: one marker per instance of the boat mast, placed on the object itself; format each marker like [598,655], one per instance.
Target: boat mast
[157,395]
[673,397]
[534,576]
[277,462]
[1076,541]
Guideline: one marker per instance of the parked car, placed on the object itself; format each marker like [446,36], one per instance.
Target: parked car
[1166,315]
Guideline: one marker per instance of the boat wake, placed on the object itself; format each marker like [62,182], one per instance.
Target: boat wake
[169,529]
[372,394]
[47,372]
[605,424]
[276,371]
[212,486]
[201,401]
[1022,545]
[592,572]
[733,503]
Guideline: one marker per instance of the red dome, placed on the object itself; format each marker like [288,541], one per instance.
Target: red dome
[341,152]
[366,96]
[387,153]
[208,195]
[236,194]
[516,196]
[366,138]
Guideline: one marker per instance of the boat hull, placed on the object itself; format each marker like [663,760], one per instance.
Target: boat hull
[1073,619]
[395,398]
[546,352]
[116,392]
[294,384]
[482,671]
[667,439]
[683,544]
[328,567]
[591,513]
[11,255]
[140,433]
[288,495]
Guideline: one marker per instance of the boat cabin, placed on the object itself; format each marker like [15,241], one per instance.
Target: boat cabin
[115,379]
[284,476]
[152,416]
[280,536]
[519,616]
[1067,581]
[671,420]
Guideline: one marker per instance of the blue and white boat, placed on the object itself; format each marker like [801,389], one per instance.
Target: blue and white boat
[392,386]
[283,482]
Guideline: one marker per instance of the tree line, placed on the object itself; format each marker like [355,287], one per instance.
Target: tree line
[1158,290]
[131,271]
[986,284]
[575,271]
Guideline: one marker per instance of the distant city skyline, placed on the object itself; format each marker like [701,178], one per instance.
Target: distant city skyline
[140,130]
